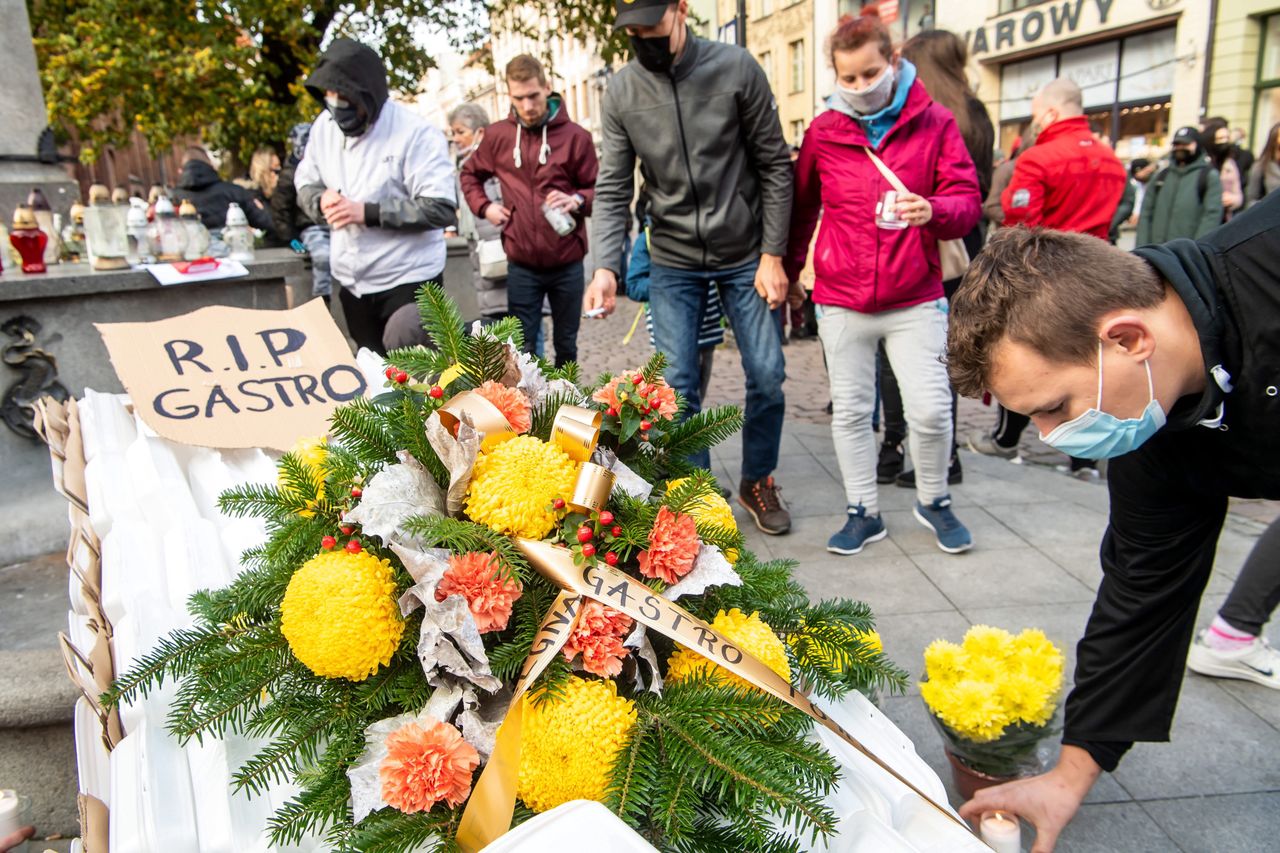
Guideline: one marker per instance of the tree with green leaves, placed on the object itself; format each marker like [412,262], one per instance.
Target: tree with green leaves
[231,71]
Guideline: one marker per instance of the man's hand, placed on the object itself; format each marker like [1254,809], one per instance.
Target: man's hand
[796,295]
[914,209]
[563,201]
[601,293]
[12,840]
[1048,801]
[497,214]
[771,280]
[341,211]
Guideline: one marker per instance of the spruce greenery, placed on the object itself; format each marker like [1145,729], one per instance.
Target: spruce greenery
[709,767]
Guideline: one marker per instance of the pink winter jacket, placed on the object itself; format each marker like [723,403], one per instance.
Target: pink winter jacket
[856,264]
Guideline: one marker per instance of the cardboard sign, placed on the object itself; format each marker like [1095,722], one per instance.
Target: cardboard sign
[236,377]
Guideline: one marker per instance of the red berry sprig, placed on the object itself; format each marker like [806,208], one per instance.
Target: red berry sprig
[436,392]
[611,558]
[586,534]
[328,543]
[353,546]
[401,377]
[588,550]
[357,492]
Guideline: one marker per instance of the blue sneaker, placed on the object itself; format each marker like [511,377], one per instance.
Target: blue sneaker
[858,530]
[953,537]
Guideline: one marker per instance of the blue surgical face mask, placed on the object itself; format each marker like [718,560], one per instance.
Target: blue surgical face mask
[1098,435]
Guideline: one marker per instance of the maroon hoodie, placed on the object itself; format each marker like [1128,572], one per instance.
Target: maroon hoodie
[567,163]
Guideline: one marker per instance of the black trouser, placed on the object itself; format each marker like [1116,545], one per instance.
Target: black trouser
[562,287]
[367,315]
[1257,589]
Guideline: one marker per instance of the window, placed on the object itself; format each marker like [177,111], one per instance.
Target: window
[797,66]
[766,62]
[797,132]
[1266,111]
[766,8]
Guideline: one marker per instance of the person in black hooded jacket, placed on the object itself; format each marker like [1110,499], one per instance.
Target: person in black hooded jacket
[1166,361]
[212,196]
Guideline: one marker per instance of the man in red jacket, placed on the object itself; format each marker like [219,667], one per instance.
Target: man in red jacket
[1068,181]
[546,166]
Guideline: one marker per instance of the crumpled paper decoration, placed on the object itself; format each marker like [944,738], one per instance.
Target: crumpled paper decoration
[449,641]
[638,640]
[458,454]
[709,569]
[625,481]
[395,494]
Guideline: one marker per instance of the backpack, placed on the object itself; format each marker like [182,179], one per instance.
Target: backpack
[1202,182]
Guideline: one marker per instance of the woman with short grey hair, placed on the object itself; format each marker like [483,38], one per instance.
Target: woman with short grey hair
[467,123]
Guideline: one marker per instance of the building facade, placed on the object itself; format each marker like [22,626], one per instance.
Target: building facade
[780,35]
[1244,75]
[1140,63]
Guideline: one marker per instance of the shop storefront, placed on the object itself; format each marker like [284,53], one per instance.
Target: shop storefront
[1135,61]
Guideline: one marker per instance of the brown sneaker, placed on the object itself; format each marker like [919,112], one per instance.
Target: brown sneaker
[763,499]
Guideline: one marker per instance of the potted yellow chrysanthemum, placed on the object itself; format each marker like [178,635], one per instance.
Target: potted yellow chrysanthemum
[994,699]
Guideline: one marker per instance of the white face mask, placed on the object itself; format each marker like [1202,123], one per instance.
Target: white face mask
[873,98]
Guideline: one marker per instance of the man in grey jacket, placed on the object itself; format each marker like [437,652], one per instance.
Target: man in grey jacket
[700,117]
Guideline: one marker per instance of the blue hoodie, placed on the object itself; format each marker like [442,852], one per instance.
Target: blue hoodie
[877,124]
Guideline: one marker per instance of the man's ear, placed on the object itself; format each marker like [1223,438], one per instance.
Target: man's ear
[1131,333]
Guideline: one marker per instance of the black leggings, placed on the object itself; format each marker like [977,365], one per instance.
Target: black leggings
[367,315]
[1257,590]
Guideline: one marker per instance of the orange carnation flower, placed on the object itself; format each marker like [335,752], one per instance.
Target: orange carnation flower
[476,577]
[425,764]
[673,547]
[598,638]
[512,402]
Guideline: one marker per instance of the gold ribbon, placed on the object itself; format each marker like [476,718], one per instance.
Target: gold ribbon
[488,813]
[576,431]
[592,488]
[483,415]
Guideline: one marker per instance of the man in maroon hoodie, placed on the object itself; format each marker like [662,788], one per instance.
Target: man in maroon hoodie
[546,166]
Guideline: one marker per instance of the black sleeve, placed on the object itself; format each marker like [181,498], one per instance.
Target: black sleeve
[257,213]
[1156,556]
[284,202]
[981,143]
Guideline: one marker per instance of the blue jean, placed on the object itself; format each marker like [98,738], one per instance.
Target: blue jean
[677,299]
[562,287]
[316,239]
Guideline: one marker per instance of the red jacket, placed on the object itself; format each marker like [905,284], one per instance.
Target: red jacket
[1067,180]
[856,264]
[571,166]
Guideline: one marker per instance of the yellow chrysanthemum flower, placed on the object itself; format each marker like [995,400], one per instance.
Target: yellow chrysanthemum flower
[992,680]
[340,615]
[713,510]
[514,482]
[569,743]
[751,633]
[312,452]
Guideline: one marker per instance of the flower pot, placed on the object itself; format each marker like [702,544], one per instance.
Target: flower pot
[969,781]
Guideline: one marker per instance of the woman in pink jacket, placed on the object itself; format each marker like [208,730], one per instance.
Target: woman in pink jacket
[882,279]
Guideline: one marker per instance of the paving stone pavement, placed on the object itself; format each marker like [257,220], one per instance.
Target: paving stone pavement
[1215,787]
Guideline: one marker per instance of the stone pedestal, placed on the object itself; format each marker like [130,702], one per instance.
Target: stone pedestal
[22,117]
[66,302]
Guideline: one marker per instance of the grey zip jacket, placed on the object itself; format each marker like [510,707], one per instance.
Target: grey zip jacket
[711,153]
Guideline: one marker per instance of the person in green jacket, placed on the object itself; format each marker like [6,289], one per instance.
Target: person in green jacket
[1185,198]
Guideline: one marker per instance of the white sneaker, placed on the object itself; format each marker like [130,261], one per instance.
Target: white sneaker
[1256,662]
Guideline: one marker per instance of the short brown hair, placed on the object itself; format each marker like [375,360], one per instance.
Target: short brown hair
[852,32]
[525,67]
[1044,289]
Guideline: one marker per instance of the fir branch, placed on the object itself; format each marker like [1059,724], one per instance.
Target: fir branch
[654,367]
[634,774]
[701,431]
[173,656]
[461,536]
[569,371]
[391,831]
[486,358]
[509,329]
[442,322]
[259,501]
[507,657]
[361,426]
[420,363]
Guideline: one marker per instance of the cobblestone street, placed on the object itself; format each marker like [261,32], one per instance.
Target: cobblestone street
[1215,787]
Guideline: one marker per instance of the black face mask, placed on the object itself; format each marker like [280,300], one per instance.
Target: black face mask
[350,119]
[1183,156]
[654,53]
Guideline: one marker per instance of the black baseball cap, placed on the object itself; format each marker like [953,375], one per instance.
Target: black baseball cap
[639,13]
[1188,135]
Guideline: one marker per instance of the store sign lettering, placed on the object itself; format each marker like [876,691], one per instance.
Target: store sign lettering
[1057,21]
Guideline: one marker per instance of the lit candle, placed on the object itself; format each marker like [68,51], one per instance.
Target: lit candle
[10,812]
[1002,832]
